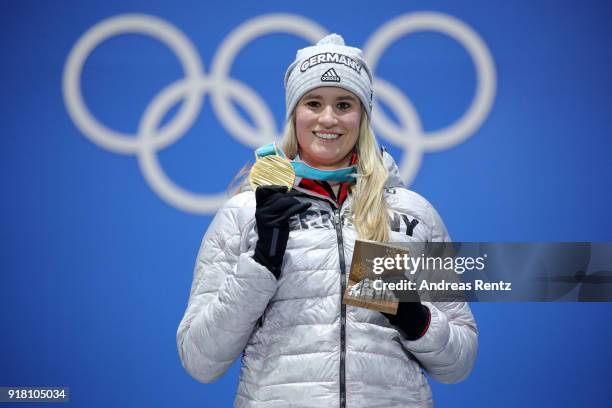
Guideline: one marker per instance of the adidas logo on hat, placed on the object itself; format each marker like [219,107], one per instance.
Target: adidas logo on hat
[330,76]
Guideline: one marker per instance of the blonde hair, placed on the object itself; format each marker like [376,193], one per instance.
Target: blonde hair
[369,211]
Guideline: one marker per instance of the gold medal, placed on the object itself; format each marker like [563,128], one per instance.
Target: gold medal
[272,170]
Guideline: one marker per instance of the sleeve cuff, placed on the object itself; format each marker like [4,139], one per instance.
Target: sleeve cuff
[436,334]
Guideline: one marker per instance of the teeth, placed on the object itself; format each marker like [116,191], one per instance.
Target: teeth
[328,136]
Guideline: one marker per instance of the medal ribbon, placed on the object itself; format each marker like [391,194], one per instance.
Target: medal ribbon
[303,170]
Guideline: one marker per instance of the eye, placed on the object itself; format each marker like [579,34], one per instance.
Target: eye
[343,105]
[313,104]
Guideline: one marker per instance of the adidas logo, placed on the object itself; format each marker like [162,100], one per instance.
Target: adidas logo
[330,76]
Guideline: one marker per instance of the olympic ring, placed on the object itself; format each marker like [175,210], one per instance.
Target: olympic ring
[150,137]
[225,57]
[417,141]
[129,23]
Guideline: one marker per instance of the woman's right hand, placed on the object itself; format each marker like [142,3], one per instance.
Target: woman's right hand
[274,208]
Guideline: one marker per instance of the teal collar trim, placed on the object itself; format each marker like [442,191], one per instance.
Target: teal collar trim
[305,171]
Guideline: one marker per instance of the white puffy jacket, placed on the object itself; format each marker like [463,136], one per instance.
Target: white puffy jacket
[302,346]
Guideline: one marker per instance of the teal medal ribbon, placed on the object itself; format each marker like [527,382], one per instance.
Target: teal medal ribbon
[303,170]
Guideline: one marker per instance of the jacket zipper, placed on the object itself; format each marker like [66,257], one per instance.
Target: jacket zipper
[338,225]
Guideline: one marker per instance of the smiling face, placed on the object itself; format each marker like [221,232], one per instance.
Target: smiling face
[327,123]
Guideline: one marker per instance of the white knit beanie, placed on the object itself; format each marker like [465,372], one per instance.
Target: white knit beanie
[328,63]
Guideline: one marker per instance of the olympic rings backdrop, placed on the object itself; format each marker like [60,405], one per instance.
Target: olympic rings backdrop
[125,123]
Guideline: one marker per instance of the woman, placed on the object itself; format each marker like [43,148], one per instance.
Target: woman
[272,267]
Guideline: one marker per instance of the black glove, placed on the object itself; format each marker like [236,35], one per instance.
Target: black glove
[274,208]
[412,317]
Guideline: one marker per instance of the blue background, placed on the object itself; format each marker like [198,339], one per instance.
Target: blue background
[96,267]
